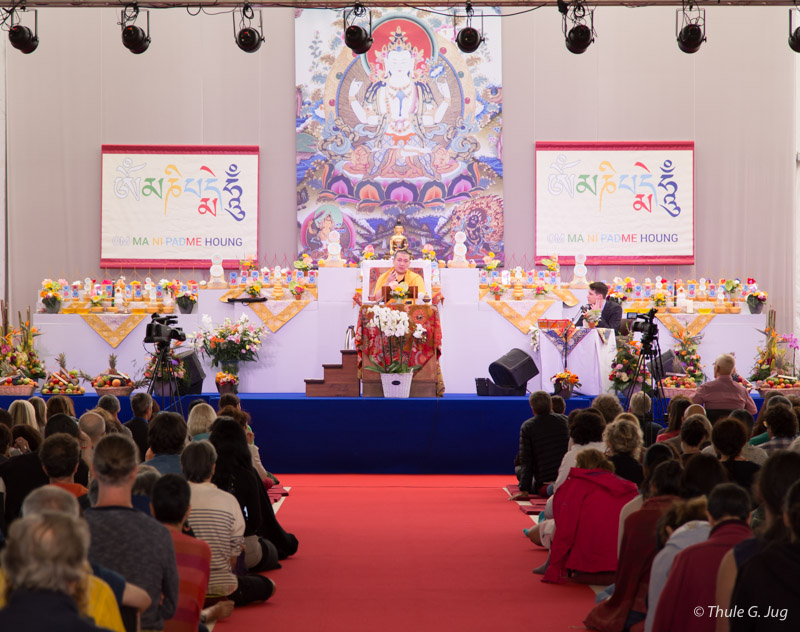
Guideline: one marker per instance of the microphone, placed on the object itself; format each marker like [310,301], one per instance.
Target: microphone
[585,308]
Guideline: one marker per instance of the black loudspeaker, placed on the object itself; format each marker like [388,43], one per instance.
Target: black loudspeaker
[195,372]
[513,370]
[484,386]
[670,362]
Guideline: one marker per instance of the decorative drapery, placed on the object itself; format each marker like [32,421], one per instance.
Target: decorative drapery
[113,328]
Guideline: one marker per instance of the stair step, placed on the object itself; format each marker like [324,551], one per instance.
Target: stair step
[332,390]
[314,380]
[331,366]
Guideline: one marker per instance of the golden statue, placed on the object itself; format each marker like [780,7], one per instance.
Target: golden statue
[398,241]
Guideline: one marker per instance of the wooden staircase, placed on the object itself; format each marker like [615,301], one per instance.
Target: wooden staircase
[341,380]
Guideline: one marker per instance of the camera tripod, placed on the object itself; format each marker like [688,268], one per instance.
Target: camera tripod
[170,397]
[651,350]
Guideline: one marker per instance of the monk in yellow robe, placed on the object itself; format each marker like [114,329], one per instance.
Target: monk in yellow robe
[397,274]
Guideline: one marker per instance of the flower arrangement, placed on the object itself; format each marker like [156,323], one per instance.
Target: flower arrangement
[660,299]
[617,297]
[170,287]
[792,345]
[428,253]
[175,366]
[769,360]
[97,301]
[247,265]
[756,298]
[296,289]
[551,263]
[533,332]
[566,380]
[16,346]
[539,289]
[223,377]
[50,293]
[686,350]
[397,340]
[625,364]
[627,285]
[731,285]
[400,291]
[254,290]
[304,263]
[229,343]
[185,300]
[490,263]
[496,288]
[369,254]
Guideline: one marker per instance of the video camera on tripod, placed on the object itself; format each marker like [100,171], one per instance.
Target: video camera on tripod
[160,330]
[647,327]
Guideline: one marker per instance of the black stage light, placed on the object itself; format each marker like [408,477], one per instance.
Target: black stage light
[357,39]
[578,39]
[690,38]
[135,39]
[23,39]
[469,39]
[249,40]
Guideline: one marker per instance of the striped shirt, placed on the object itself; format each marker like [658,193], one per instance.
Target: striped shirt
[217,519]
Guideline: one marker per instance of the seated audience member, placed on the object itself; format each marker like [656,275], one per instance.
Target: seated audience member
[127,541]
[60,456]
[5,418]
[60,405]
[265,540]
[781,423]
[586,511]
[689,411]
[675,409]
[23,414]
[759,433]
[722,393]
[608,406]
[199,422]
[170,505]
[25,439]
[243,419]
[166,436]
[229,399]
[104,589]
[780,471]
[40,407]
[216,518]
[749,452]
[45,565]
[112,423]
[5,443]
[22,474]
[624,440]
[641,406]
[701,474]
[559,405]
[142,409]
[729,438]
[628,604]
[768,583]
[585,432]
[683,525]
[93,425]
[610,312]
[111,404]
[142,490]
[695,431]
[692,578]
[542,444]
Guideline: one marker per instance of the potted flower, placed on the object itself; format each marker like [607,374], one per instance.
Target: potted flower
[490,263]
[254,290]
[399,292]
[624,366]
[617,297]
[51,296]
[428,253]
[304,263]
[96,303]
[660,300]
[539,290]
[186,301]
[564,383]
[756,300]
[230,343]
[296,290]
[496,288]
[227,382]
[398,343]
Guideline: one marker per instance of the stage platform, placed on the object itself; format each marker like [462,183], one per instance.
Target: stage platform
[454,434]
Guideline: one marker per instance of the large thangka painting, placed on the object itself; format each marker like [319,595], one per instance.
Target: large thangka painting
[409,131]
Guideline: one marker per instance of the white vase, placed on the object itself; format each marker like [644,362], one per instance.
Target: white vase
[396,384]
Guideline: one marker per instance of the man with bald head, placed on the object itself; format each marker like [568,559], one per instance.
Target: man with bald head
[722,393]
[93,425]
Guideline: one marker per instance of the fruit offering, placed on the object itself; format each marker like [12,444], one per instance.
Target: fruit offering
[678,381]
[779,381]
[112,377]
[63,382]
[16,380]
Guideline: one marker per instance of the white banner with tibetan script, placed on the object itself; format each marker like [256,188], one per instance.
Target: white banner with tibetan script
[615,203]
[177,206]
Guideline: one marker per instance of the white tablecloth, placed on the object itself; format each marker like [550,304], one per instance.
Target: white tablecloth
[590,359]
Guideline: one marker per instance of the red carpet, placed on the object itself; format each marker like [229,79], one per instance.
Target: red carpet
[385,553]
